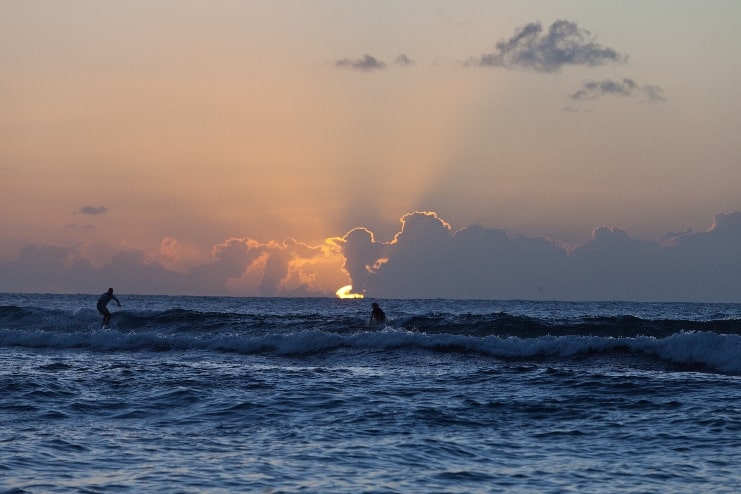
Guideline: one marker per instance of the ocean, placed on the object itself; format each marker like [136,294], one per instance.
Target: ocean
[279,395]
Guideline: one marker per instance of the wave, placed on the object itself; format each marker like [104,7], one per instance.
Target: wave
[713,345]
[472,324]
[504,324]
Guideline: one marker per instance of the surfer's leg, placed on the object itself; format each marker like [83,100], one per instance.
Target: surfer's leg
[106,316]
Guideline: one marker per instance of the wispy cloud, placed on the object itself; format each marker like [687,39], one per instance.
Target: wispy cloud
[403,60]
[369,63]
[626,87]
[366,63]
[653,92]
[564,43]
[92,210]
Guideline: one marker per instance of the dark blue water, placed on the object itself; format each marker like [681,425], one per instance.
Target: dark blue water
[300,395]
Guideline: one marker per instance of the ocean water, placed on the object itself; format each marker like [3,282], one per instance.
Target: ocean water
[195,395]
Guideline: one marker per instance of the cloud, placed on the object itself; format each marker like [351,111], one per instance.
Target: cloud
[45,269]
[626,87]
[92,210]
[403,60]
[244,266]
[238,267]
[565,43]
[361,252]
[367,63]
[653,92]
[426,258]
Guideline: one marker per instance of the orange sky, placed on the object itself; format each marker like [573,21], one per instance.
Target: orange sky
[191,123]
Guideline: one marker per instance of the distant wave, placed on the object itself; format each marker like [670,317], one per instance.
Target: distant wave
[713,345]
[503,324]
[490,324]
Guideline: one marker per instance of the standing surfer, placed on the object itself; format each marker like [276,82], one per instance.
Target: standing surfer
[102,306]
[377,315]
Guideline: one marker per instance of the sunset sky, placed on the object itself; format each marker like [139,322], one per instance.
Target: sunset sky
[245,147]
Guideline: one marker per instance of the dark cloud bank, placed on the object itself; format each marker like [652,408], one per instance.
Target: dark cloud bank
[426,259]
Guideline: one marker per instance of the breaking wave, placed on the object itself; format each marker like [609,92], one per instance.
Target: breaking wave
[710,345]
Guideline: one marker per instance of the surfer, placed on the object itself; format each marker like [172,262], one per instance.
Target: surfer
[377,315]
[103,302]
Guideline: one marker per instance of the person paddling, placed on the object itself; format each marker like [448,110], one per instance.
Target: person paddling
[102,306]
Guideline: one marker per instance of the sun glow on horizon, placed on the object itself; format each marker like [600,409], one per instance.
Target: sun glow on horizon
[346,292]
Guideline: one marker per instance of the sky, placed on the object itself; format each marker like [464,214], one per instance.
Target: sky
[416,149]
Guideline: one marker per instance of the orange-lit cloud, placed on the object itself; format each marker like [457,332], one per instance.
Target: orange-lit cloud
[177,256]
[288,268]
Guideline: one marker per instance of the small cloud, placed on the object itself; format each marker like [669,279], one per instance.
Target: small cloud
[574,110]
[593,89]
[653,93]
[459,23]
[565,43]
[92,210]
[73,226]
[627,88]
[403,60]
[367,63]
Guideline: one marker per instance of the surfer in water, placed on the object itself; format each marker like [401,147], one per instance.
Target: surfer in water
[377,315]
[102,306]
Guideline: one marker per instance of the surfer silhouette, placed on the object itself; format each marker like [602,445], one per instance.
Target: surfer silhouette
[377,315]
[102,306]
